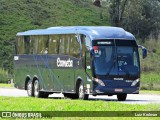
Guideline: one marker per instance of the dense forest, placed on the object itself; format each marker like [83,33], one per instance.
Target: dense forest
[140,17]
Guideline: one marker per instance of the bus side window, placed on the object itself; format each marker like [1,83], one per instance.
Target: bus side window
[88,64]
[74,48]
[87,42]
[66,44]
[26,44]
[86,58]
[53,47]
[62,47]
[20,45]
[34,44]
[43,44]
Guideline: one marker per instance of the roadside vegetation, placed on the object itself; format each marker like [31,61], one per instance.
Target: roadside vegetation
[3,85]
[152,92]
[32,104]
[150,66]
[67,105]
[3,76]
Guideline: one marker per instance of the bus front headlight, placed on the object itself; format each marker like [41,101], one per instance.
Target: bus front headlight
[100,82]
[135,82]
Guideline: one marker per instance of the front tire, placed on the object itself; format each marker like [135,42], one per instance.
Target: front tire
[81,92]
[122,97]
[30,91]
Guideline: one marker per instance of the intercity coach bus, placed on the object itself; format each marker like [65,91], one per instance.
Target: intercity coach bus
[77,61]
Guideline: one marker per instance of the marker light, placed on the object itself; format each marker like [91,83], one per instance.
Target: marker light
[95,49]
[100,82]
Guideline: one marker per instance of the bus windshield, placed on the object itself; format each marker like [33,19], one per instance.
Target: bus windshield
[119,60]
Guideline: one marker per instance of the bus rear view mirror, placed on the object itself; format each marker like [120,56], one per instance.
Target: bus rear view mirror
[144,51]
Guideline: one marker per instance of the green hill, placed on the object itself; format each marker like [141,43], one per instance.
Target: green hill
[22,15]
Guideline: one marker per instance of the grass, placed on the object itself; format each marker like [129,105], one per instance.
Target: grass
[150,92]
[150,81]
[35,104]
[151,64]
[3,85]
[3,75]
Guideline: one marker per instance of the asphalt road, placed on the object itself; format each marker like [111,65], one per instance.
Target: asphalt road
[131,98]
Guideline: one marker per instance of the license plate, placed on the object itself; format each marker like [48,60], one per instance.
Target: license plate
[118,90]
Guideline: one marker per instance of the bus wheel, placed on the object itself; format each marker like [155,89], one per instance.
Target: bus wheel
[122,97]
[30,89]
[81,92]
[37,92]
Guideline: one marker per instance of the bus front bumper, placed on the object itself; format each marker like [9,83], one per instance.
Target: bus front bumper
[103,90]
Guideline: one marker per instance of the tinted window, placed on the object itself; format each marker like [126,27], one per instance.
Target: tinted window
[38,44]
[62,44]
[104,60]
[128,60]
[86,58]
[54,44]
[27,43]
[43,42]
[74,46]
[20,45]
[87,42]
[24,45]
[34,44]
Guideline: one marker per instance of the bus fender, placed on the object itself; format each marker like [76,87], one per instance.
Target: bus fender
[28,77]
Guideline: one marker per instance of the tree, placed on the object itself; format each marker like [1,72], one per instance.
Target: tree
[117,8]
[142,18]
[97,3]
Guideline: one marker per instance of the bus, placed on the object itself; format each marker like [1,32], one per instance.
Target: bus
[77,61]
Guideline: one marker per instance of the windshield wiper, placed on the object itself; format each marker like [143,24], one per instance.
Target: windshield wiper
[111,66]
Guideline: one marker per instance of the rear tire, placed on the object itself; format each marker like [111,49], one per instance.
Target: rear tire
[30,91]
[81,92]
[122,97]
[37,92]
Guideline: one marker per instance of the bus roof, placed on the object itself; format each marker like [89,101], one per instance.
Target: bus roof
[93,32]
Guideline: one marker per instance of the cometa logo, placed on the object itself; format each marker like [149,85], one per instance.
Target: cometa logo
[64,63]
